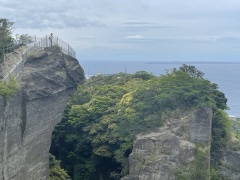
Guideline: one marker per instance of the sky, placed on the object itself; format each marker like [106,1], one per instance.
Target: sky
[134,30]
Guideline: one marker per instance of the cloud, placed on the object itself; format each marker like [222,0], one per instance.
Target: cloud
[143,26]
[148,25]
[137,23]
[54,21]
[47,14]
[86,37]
[135,37]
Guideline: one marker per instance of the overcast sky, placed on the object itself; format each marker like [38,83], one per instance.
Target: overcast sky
[139,30]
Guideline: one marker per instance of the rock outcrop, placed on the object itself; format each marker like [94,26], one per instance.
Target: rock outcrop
[170,151]
[11,59]
[28,119]
[230,164]
[180,149]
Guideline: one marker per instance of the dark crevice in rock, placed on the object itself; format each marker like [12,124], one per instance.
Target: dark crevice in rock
[23,115]
[3,173]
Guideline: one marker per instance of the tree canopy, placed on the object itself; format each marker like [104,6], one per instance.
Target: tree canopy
[5,34]
[7,42]
[95,137]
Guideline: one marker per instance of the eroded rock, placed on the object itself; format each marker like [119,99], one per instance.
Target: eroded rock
[171,150]
[28,119]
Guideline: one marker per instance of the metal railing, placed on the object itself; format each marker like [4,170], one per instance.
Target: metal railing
[47,41]
[15,44]
[15,71]
[50,41]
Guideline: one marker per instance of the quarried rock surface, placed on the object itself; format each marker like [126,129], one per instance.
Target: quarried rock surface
[230,164]
[28,119]
[170,151]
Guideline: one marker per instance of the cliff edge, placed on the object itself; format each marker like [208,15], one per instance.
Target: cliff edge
[28,119]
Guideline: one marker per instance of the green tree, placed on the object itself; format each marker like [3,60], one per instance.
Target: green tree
[8,89]
[24,40]
[5,34]
[143,75]
[55,171]
[220,133]
[192,71]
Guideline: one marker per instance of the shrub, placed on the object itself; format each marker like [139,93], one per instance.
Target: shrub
[7,90]
[55,171]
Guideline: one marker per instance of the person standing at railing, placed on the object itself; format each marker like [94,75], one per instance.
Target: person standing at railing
[51,39]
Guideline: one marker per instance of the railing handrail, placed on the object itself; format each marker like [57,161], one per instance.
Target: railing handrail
[42,43]
[17,43]
[56,41]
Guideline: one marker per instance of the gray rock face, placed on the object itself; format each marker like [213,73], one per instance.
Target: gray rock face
[11,60]
[28,119]
[230,164]
[161,154]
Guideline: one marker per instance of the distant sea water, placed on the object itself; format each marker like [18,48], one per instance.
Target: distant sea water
[226,75]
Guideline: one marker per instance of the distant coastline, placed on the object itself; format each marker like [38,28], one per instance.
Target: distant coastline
[189,62]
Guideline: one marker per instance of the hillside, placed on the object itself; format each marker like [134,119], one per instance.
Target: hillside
[102,119]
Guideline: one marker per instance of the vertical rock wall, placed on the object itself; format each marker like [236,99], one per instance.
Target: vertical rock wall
[230,164]
[171,150]
[28,119]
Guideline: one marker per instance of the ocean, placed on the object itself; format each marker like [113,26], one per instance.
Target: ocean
[226,75]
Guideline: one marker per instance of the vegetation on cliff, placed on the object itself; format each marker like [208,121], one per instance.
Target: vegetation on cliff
[95,137]
[235,125]
[7,90]
[8,44]
[56,172]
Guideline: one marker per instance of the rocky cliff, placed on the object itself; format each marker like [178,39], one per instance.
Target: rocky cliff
[180,149]
[28,119]
[165,153]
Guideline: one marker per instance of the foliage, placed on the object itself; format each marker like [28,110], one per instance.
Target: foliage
[215,175]
[220,136]
[223,137]
[95,137]
[220,130]
[7,90]
[23,40]
[201,162]
[143,75]
[235,126]
[55,171]
[192,71]
[197,170]
[234,143]
[5,34]
[7,42]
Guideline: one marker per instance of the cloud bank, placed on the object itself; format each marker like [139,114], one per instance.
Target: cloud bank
[173,29]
